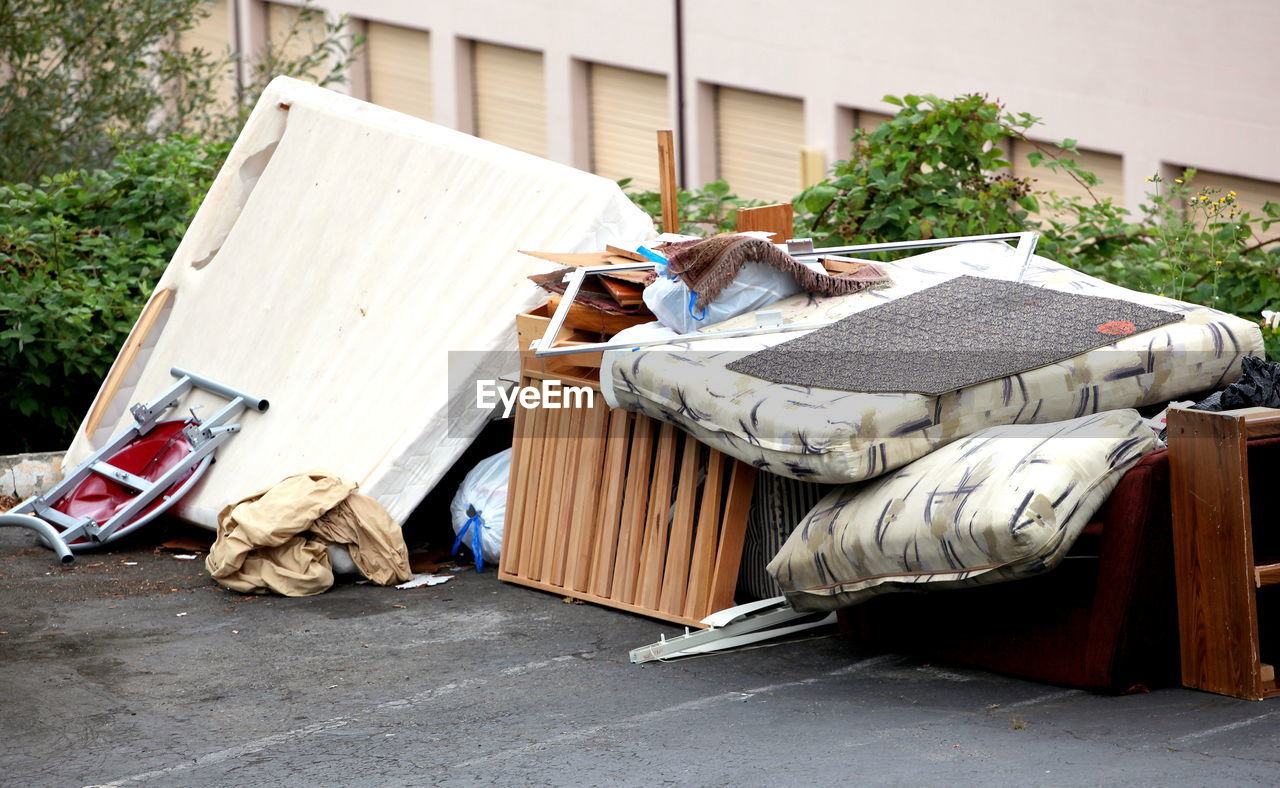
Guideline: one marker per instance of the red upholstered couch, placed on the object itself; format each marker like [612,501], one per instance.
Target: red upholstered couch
[1105,619]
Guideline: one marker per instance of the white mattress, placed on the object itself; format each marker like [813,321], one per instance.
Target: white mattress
[835,437]
[341,255]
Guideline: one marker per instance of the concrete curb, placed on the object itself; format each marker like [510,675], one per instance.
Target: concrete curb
[25,475]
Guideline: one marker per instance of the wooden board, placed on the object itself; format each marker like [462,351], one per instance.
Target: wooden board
[586,318]
[667,182]
[1213,550]
[617,509]
[777,219]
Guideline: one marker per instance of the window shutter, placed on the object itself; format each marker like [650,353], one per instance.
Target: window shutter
[399,68]
[1251,194]
[627,107]
[280,18]
[510,101]
[213,35]
[760,137]
[1107,166]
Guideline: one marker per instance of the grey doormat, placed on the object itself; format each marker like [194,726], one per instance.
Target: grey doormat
[962,332]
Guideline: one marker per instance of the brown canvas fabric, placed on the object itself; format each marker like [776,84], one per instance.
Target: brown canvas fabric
[277,538]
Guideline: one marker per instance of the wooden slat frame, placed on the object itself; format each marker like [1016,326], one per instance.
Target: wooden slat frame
[1217,578]
[618,509]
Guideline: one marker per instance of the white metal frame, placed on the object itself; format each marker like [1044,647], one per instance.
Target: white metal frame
[1026,245]
[743,625]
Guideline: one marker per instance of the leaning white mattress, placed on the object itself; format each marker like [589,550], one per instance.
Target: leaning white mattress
[358,268]
[835,437]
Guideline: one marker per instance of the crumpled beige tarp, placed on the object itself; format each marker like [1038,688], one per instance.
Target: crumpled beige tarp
[276,539]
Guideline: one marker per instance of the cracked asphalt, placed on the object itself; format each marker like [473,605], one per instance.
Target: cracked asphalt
[133,668]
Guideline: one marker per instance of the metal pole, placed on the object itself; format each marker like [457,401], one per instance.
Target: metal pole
[48,534]
[200,381]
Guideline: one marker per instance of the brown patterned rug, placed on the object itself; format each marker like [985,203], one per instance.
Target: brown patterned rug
[962,332]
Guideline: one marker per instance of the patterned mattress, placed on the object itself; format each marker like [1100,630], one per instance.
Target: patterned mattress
[830,436]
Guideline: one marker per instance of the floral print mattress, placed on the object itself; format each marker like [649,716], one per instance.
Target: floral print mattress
[835,437]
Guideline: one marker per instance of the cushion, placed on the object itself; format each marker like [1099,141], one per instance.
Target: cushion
[1003,503]
[836,437]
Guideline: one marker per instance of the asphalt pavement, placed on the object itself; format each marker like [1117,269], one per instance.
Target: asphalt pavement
[133,668]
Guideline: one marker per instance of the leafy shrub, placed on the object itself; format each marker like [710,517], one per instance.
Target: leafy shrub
[706,211]
[84,78]
[109,138]
[79,255]
[937,169]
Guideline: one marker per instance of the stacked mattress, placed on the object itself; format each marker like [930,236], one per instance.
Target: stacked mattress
[985,483]
[832,436]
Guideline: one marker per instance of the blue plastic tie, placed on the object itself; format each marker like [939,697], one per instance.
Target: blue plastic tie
[645,251]
[478,522]
[693,299]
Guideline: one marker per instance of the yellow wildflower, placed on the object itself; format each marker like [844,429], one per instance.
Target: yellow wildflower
[1177,180]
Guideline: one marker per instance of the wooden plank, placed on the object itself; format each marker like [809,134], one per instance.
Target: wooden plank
[563,503]
[610,602]
[654,554]
[675,574]
[587,318]
[528,490]
[615,476]
[1260,422]
[625,293]
[1266,574]
[115,376]
[634,507]
[551,470]
[667,182]
[776,219]
[704,545]
[517,489]
[627,254]
[1213,553]
[587,494]
[733,531]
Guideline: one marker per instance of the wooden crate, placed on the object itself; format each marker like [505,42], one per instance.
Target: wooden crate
[616,508]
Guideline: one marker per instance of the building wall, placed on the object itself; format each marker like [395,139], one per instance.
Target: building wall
[1160,84]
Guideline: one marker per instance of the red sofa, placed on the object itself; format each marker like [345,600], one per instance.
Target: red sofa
[1105,619]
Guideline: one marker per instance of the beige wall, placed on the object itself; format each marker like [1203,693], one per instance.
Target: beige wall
[1157,82]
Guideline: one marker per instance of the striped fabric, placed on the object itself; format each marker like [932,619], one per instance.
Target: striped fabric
[1001,504]
[778,504]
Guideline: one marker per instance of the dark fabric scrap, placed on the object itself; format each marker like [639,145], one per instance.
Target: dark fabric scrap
[962,332]
[1258,387]
[708,266]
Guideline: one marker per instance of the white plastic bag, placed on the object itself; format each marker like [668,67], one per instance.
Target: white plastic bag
[480,506]
[756,286]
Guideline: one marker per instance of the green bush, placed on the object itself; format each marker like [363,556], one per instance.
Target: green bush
[79,255]
[109,138]
[83,79]
[937,169]
[706,211]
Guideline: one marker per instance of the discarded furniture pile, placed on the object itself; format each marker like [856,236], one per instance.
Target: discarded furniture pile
[943,415]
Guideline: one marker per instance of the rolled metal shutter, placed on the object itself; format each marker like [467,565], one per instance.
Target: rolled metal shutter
[760,137]
[627,107]
[213,35]
[1251,193]
[867,120]
[510,100]
[399,68]
[311,32]
[1107,166]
